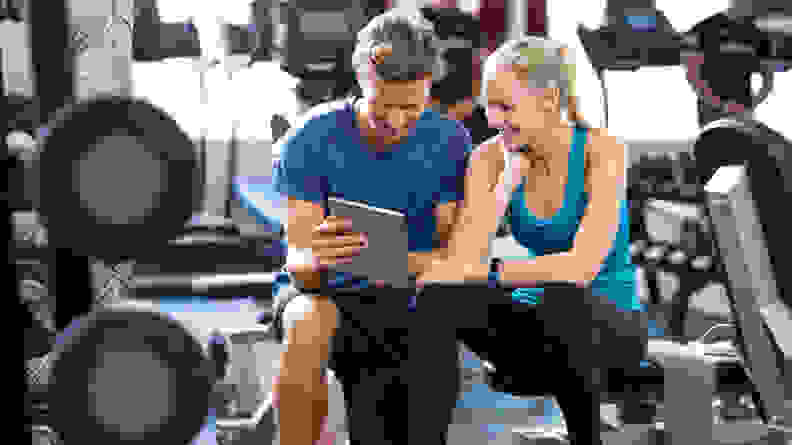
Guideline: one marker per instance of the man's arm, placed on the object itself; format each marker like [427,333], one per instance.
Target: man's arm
[446,216]
[303,217]
[447,210]
[298,178]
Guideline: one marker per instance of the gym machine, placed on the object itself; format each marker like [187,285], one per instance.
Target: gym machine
[636,34]
[724,50]
[161,231]
[320,38]
[83,225]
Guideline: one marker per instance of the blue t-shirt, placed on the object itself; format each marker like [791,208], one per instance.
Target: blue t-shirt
[326,155]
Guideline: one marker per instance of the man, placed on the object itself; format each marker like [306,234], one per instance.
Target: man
[389,150]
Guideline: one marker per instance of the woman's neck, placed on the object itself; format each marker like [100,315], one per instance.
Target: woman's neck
[549,145]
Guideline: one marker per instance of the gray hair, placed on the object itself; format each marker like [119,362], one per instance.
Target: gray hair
[411,38]
[542,63]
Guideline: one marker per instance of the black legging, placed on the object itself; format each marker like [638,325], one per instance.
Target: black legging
[567,342]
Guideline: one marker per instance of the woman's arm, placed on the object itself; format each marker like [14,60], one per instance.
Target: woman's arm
[598,227]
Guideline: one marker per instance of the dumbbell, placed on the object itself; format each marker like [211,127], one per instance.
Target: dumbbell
[695,238]
[127,377]
[657,166]
[669,256]
[113,177]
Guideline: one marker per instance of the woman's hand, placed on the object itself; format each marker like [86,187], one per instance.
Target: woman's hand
[453,272]
[509,178]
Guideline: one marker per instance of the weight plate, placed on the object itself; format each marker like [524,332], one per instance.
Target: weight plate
[129,377]
[116,176]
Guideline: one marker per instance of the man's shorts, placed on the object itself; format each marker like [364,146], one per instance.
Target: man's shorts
[370,329]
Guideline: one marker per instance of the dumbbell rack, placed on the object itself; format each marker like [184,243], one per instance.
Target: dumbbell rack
[254,421]
[695,267]
[694,272]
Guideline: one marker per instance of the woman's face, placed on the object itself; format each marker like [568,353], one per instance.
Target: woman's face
[393,107]
[518,109]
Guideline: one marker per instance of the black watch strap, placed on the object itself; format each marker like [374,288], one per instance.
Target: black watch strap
[494,263]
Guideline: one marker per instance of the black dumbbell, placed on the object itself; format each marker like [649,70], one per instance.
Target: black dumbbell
[129,377]
[82,171]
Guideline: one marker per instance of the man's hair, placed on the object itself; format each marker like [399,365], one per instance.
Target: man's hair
[411,39]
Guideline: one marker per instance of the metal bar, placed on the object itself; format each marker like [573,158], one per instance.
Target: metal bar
[53,72]
[216,286]
[689,386]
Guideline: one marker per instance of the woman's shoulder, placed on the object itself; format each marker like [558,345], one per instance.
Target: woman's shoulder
[487,157]
[489,149]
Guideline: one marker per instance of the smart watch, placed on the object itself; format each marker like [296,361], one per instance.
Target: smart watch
[493,277]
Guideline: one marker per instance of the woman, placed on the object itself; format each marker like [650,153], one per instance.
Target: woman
[564,186]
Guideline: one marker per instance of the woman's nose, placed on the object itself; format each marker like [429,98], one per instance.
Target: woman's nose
[495,121]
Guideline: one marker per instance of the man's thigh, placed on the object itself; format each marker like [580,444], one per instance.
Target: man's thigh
[400,382]
[370,332]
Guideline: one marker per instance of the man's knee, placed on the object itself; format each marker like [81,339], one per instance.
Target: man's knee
[306,316]
[309,324]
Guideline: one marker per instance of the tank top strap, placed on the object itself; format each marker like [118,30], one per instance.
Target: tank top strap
[577,162]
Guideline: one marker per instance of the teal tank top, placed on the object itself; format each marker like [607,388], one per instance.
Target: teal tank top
[616,279]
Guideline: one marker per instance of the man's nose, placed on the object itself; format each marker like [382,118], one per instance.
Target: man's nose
[398,119]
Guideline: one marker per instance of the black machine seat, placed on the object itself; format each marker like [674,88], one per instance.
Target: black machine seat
[516,383]
[731,377]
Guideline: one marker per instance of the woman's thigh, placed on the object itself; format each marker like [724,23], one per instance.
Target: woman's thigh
[514,339]
[595,332]
[586,330]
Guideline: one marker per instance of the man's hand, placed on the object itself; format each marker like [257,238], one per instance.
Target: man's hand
[332,243]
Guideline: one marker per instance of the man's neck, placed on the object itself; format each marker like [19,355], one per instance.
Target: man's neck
[372,141]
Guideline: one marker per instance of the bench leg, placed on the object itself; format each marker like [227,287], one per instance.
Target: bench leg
[689,388]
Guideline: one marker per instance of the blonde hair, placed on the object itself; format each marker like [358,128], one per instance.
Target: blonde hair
[542,63]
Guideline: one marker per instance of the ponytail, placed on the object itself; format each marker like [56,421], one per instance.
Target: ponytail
[573,110]
[573,113]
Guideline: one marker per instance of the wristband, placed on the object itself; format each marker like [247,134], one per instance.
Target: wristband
[493,277]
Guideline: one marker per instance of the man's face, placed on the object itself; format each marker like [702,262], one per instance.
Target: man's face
[395,106]
[461,110]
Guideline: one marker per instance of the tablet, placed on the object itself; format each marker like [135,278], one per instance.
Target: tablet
[385,258]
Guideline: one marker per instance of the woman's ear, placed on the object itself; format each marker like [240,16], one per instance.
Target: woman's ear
[552,100]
